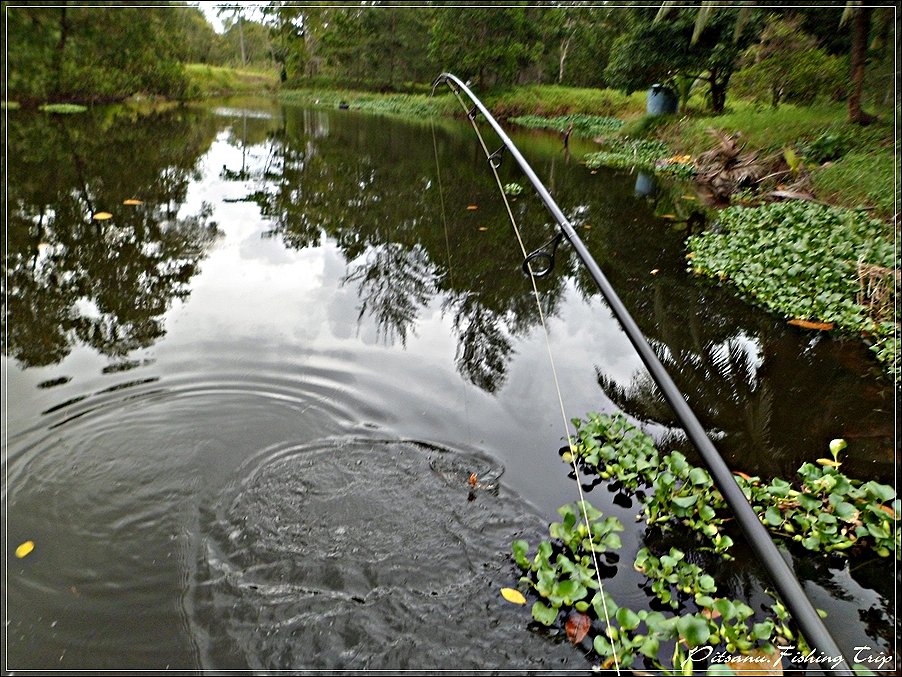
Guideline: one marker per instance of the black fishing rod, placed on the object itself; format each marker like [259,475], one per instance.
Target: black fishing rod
[787,585]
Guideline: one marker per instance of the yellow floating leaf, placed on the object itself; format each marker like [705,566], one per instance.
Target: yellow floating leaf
[513,596]
[102,216]
[829,461]
[655,271]
[131,201]
[483,228]
[472,208]
[690,197]
[24,549]
[587,225]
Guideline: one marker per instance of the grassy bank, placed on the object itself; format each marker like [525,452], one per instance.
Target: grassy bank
[849,165]
[213,81]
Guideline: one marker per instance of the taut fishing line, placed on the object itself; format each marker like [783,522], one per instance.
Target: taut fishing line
[494,162]
[441,198]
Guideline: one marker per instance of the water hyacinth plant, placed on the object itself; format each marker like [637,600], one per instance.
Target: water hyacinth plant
[804,260]
[822,510]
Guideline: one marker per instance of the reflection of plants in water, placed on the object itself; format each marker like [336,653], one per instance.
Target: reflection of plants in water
[372,190]
[483,347]
[107,284]
[393,284]
[721,383]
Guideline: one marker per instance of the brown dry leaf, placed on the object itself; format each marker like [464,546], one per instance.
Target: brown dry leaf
[742,475]
[131,201]
[759,662]
[472,208]
[577,626]
[670,217]
[102,216]
[807,324]
[473,480]
[889,511]
[710,613]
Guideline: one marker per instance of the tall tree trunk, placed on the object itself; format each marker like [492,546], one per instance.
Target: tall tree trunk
[241,41]
[861,23]
[565,47]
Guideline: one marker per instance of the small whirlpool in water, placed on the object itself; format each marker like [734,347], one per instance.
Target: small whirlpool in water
[364,554]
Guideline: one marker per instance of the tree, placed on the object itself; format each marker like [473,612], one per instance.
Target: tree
[102,52]
[197,36]
[786,64]
[234,16]
[491,44]
[861,26]
[662,52]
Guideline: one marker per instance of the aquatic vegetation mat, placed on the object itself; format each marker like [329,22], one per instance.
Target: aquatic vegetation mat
[823,511]
[808,261]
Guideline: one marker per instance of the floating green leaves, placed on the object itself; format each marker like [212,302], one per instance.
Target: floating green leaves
[561,578]
[642,154]
[803,259]
[823,509]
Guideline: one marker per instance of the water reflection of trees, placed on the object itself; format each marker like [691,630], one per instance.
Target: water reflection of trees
[107,284]
[771,398]
[393,283]
[372,188]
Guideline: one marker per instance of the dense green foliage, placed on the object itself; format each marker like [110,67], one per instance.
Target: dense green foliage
[664,53]
[825,511]
[787,65]
[647,155]
[802,260]
[580,124]
[92,53]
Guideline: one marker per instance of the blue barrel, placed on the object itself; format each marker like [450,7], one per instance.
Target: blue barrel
[661,100]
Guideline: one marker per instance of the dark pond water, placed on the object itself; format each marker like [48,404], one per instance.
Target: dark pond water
[240,415]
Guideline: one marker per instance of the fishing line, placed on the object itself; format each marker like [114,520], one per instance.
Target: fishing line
[494,159]
[441,198]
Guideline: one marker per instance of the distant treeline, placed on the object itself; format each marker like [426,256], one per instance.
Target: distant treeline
[110,50]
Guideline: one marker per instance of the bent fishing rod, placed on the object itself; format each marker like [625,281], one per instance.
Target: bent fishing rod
[783,578]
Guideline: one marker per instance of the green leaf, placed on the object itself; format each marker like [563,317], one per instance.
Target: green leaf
[627,619]
[699,476]
[685,501]
[694,630]
[544,614]
[650,647]
[602,646]
[882,492]
[520,549]
[773,516]
[719,669]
